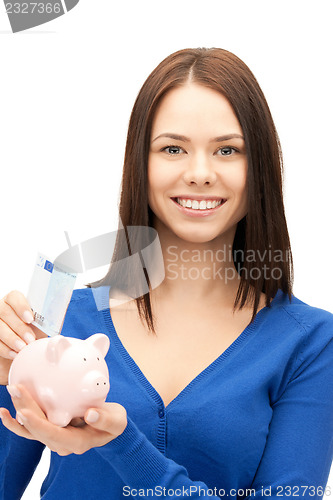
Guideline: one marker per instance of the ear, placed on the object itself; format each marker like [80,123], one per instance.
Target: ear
[100,341]
[56,347]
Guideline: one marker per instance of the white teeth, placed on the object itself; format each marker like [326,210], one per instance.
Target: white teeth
[196,205]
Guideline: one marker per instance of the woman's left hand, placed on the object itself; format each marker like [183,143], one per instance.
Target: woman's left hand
[100,425]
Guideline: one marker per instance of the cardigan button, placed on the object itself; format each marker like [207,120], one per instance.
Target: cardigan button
[161,413]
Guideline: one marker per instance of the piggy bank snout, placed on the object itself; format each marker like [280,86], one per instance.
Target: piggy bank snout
[97,383]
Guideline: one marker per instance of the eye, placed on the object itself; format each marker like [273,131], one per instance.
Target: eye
[84,359]
[172,150]
[97,359]
[227,151]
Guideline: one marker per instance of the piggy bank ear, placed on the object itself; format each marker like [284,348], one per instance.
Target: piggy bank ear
[56,347]
[100,341]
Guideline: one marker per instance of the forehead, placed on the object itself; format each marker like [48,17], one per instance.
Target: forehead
[192,107]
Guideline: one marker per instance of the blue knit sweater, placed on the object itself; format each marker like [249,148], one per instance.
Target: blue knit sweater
[258,421]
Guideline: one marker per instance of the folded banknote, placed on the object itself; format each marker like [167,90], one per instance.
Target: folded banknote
[49,294]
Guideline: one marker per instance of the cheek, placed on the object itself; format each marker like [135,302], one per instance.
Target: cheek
[236,180]
[241,190]
[241,184]
[160,179]
[154,183]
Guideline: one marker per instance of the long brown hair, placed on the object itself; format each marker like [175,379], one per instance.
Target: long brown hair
[264,229]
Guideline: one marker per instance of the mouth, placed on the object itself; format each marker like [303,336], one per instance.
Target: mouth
[199,207]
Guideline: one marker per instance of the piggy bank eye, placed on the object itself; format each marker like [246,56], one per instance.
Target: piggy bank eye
[84,359]
[97,359]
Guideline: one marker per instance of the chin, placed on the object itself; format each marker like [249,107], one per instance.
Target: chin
[200,236]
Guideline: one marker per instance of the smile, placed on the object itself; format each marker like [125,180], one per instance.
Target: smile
[198,208]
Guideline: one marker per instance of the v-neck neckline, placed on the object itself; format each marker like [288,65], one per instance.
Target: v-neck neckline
[143,380]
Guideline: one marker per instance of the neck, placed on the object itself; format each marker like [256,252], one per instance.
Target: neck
[197,271]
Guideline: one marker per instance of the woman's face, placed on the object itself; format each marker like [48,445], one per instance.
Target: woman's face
[197,159]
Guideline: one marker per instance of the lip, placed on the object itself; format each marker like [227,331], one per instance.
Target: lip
[198,213]
[197,197]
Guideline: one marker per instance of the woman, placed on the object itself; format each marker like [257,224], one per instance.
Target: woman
[221,379]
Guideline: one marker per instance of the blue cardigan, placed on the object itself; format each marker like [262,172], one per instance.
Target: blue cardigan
[258,421]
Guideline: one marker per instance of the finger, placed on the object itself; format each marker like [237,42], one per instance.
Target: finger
[23,400]
[6,352]
[22,431]
[19,304]
[14,332]
[12,424]
[112,418]
[11,343]
[58,439]
[62,440]
[17,301]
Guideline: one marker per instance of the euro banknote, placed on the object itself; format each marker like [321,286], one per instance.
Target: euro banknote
[49,294]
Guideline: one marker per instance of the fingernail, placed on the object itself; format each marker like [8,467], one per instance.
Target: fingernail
[29,337]
[13,391]
[19,344]
[92,416]
[20,418]
[27,317]
[12,354]
[1,414]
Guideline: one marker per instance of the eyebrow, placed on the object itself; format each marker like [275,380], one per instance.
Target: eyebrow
[183,138]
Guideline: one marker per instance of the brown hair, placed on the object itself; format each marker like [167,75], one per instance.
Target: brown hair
[264,228]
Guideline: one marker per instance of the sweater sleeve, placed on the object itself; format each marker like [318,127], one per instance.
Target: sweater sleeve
[19,457]
[299,448]
[297,456]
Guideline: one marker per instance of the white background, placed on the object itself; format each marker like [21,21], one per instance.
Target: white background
[67,89]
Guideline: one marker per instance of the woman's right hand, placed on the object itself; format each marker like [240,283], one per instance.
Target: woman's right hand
[15,330]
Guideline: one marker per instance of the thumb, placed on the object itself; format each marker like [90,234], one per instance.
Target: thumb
[112,418]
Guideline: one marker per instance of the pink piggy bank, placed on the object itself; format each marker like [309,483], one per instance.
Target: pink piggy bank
[64,375]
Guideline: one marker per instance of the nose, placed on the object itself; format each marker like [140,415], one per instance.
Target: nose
[199,170]
[102,384]
[96,382]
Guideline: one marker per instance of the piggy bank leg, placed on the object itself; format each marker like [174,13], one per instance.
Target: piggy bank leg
[59,417]
[48,402]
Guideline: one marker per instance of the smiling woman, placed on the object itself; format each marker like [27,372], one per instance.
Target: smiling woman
[228,150]
[221,379]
